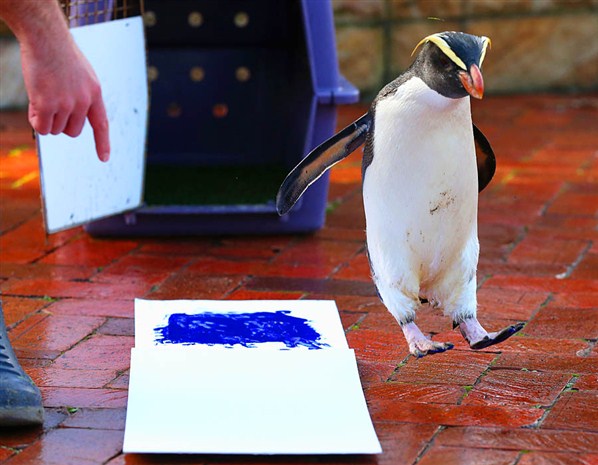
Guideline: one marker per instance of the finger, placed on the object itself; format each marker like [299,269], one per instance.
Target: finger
[99,122]
[60,120]
[75,124]
[40,122]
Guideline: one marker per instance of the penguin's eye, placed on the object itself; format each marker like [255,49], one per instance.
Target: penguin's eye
[445,62]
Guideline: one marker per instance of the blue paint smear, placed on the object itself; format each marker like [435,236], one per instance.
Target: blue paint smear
[246,329]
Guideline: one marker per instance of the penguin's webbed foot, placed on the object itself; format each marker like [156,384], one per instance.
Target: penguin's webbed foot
[478,338]
[429,347]
[498,336]
[419,344]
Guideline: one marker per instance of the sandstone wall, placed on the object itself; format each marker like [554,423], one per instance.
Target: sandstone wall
[537,45]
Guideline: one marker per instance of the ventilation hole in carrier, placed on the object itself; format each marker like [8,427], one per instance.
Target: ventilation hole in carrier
[195,19]
[149,18]
[220,110]
[197,74]
[152,73]
[174,110]
[241,19]
[243,74]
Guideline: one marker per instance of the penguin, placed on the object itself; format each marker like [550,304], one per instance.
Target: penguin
[423,166]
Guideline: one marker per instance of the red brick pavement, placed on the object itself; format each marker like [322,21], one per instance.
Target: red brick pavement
[532,400]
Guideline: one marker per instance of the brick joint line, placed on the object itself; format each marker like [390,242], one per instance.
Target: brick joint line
[479,378]
[571,268]
[521,235]
[563,189]
[568,387]
[401,364]
[429,444]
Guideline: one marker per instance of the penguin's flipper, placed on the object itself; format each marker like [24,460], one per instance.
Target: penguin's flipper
[319,160]
[484,157]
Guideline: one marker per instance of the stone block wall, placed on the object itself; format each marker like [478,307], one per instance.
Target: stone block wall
[537,45]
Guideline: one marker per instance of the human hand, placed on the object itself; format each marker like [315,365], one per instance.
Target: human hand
[63,92]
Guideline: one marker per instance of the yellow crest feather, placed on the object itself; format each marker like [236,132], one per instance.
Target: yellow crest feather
[487,45]
[442,45]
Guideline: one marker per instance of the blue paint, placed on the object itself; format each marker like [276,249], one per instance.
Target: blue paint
[246,329]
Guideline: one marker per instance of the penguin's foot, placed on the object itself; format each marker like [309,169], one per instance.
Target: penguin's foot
[426,346]
[420,345]
[479,338]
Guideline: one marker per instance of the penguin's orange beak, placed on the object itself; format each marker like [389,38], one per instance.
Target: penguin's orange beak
[473,81]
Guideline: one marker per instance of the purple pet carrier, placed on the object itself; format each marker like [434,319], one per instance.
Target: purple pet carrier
[241,90]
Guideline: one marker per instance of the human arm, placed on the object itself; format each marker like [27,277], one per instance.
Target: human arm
[62,86]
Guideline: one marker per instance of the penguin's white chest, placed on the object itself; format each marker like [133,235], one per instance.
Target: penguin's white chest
[420,191]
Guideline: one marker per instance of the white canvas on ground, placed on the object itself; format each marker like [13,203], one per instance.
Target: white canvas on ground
[244,377]
[187,400]
[76,186]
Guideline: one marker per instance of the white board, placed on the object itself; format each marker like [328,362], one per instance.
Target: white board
[290,385]
[76,186]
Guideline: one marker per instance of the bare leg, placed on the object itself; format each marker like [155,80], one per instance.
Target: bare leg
[463,310]
[420,345]
[479,338]
[402,305]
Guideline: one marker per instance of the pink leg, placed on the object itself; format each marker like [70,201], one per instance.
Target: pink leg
[420,345]
[479,338]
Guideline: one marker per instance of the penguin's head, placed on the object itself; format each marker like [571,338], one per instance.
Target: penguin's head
[450,63]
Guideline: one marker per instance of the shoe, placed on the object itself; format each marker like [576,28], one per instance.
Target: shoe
[20,399]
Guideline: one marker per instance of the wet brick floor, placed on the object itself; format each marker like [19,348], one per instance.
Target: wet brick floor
[532,400]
